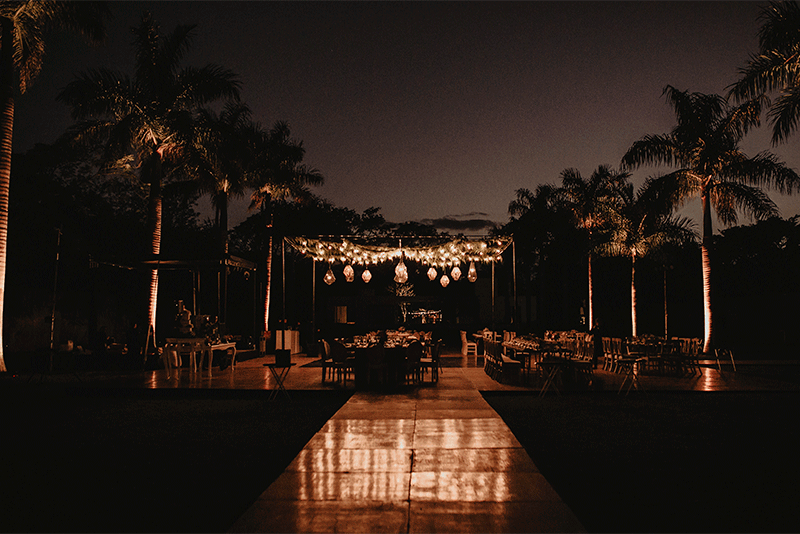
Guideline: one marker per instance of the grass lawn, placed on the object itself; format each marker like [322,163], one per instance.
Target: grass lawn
[126,460]
[666,462]
[96,460]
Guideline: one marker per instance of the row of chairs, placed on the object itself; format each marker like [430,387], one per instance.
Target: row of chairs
[679,356]
[338,363]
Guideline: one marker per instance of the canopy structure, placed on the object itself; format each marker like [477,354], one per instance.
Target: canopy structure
[441,252]
[357,250]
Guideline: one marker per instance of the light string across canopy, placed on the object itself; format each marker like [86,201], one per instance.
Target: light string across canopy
[447,254]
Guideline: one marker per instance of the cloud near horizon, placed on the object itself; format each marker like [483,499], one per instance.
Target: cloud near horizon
[468,222]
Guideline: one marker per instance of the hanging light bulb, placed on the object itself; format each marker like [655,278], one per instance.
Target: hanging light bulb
[329,277]
[349,274]
[401,273]
[432,274]
[472,274]
[366,276]
[444,280]
[455,273]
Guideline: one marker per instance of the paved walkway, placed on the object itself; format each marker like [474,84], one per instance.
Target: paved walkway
[435,459]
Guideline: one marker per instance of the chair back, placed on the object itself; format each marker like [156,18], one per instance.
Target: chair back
[326,350]
[375,356]
[463,337]
[338,352]
[414,352]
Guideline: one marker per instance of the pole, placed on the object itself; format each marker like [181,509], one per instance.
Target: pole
[55,287]
[314,298]
[493,295]
[514,275]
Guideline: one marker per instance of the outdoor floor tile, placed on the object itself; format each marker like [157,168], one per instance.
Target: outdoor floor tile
[343,440]
[316,486]
[485,413]
[480,487]
[473,460]
[352,461]
[323,516]
[509,517]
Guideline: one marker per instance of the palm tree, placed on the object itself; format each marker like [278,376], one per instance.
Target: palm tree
[644,224]
[223,145]
[24,26]
[147,122]
[223,148]
[592,202]
[776,67]
[704,145]
[281,175]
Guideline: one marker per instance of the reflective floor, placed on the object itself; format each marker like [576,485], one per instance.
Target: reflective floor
[433,459]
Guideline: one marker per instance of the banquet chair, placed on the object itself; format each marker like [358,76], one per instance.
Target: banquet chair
[342,363]
[432,362]
[376,365]
[414,362]
[468,348]
[327,361]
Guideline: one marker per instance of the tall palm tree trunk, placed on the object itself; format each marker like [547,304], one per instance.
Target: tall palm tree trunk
[591,292]
[634,327]
[268,283]
[222,299]
[6,131]
[706,264]
[154,223]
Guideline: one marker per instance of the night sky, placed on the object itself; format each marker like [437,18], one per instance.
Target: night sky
[437,111]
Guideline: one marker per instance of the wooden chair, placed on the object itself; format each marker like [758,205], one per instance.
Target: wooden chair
[432,362]
[468,348]
[342,363]
[327,361]
[413,362]
[376,365]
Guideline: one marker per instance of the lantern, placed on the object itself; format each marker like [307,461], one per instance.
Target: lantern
[432,274]
[329,277]
[472,274]
[349,274]
[444,280]
[366,276]
[455,273]
[401,273]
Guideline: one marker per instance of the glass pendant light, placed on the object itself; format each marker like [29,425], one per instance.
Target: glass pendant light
[349,274]
[455,273]
[444,280]
[401,273]
[472,274]
[329,277]
[366,276]
[432,274]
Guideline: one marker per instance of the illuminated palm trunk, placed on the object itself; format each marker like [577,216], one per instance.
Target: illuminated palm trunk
[6,131]
[706,259]
[591,291]
[154,223]
[268,284]
[634,328]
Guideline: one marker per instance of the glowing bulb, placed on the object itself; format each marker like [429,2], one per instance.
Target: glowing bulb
[444,280]
[366,276]
[400,273]
[455,273]
[472,274]
[329,277]
[432,274]
[349,274]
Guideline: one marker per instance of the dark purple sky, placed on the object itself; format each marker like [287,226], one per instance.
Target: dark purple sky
[434,110]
